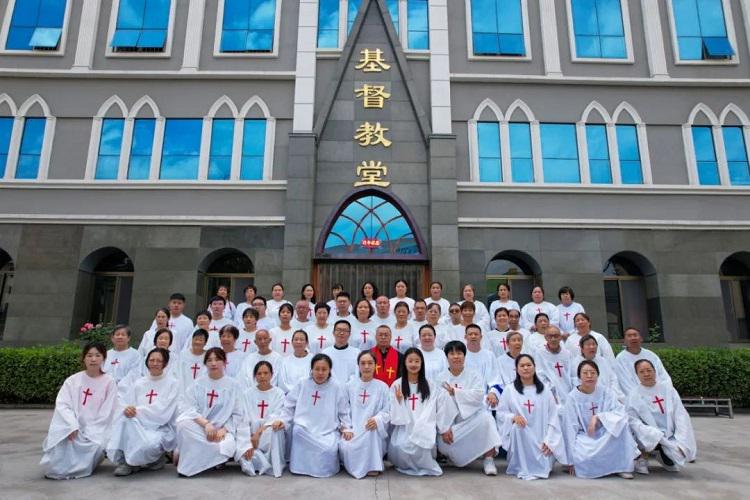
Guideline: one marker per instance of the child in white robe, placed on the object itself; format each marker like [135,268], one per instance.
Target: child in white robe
[317,411]
[263,404]
[369,403]
[660,422]
[84,409]
[211,411]
[297,366]
[529,424]
[596,431]
[145,429]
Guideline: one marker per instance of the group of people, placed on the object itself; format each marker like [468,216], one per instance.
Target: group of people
[420,383]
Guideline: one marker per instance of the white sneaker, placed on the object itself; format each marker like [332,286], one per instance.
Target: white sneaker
[489,467]
[641,466]
[626,475]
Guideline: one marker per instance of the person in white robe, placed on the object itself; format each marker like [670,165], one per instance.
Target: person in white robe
[514,323]
[219,320]
[210,413]
[369,404]
[230,309]
[434,357]
[191,366]
[418,317]
[145,428]
[625,362]
[277,300]
[317,411]
[161,320]
[246,340]
[583,328]
[554,365]
[482,361]
[607,375]
[481,314]
[383,314]
[343,307]
[302,315]
[436,297]
[122,360]
[659,421]
[454,329]
[503,300]
[369,292]
[264,353]
[596,430]
[320,333]
[165,340]
[472,433]
[567,310]
[400,288]
[433,317]
[506,362]
[235,358]
[402,333]
[202,322]
[249,292]
[343,355]
[363,327]
[529,424]
[281,336]
[417,413]
[496,340]
[263,404]
[180,325]
[297,366]
[265,322]
[469,316]
[84,409]
[536,340]
[536,306]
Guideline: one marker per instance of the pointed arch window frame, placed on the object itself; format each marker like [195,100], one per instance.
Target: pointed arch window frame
[352,197]
[19,115]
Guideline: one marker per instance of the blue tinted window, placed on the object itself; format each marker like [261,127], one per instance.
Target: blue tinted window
[597,145]
[220,159]
[328,24]
[141,25]
[253,149]
[181,149]
[705,156]
[630,154]
[598,28]
[489,152]
[141,148]
[521,159]
[248,25]
[418,25]
[31,148]
[6,130]
[736,150]
[36,24]
[560,152]
[354,8]
[497,27]
[701,29]
[110,144]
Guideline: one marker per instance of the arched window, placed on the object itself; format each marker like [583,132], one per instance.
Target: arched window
[735,291]
[227,267]
[105,286]
[6,286]
[513,268]
[631,296]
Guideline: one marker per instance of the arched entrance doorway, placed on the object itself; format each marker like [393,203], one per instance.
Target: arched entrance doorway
[371,237]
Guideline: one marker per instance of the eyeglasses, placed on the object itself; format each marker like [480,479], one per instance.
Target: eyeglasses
[341,330]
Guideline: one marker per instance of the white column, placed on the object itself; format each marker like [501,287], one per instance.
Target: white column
[536,152]
[550,44]
[657,59]
[237,138]
[746,17]
[614,154]
[205,150]
[440,85]
[583,153]
[645,155]
[474,151]
[304,82]
[505,157]
[268,150]
[91,157]
[194,35]
[127,144]
[157,148]
[692,165]
[87,35]
[46,155]
[721,155]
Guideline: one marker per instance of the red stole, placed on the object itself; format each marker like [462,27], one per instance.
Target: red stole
[386,369]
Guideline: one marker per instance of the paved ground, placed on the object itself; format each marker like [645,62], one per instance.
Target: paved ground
[722,471]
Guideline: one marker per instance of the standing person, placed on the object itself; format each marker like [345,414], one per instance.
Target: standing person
[246,340]
[434,358]
[537,339]
[419,315]
[161,320]
[263,403]
[583,328]
[191,362]
[514,322]
[402,331]
[607,376]
[482,315]
[415,419]
[633,352]
[343,307]
[387,357]
[369,292]
[84,409]
[181,325]
[503,300]
[481,361]
[165,339]
[264,322]
[281,336]
[320,332]
[472,432]
[122,360]
[295,367]
[336,289]
[228,336]
[210,415]
[596,429]
[495,340]
[436,297]
[433,319]
[529,424]
[302,315]
[659,422]
[317,411]
[506,362]
[363,328]
[554,365]
[342,354]
[145,429]
[264,353]
[250,291]
[218,320]
[401,288]
[202,322]
[383,314]
[230,310]
[277,300]
[455,330]
[369,403]
[307,293]
[567,310]
[537,306]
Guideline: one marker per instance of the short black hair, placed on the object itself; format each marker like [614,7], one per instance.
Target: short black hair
[164,330]
[568,290]
[454,345]
[216,298]
[231,329]
[200,332]
[177,296]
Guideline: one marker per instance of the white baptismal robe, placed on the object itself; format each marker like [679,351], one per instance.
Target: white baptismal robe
[142,439]
[604,349]
[214,327]
[402,338]
[507,367]
[607,375]
[612,449]
[567,315]
[86,405]
[293,369]
[485,364]
[625,368]
[319,337]
[218,401]
[435,363]
[246,341]
[657,417]
[474,430]
[248,366]
[344,362]
[363,334]
[234,364]
[124,367]
[281,340]
[191,368]
[531,309]
[555,370]
[262,408]
[497,304]
[317,415]
[524,444]
[364,452]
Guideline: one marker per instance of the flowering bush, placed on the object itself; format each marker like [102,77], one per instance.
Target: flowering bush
[96,333]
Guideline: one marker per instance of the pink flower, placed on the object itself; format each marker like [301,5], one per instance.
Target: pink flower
[83,329]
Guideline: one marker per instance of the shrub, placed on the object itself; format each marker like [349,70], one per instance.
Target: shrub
[35,374]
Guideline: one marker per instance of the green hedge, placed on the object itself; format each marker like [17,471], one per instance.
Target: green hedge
[34,374]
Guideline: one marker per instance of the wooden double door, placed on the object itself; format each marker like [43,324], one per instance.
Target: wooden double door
[352,274]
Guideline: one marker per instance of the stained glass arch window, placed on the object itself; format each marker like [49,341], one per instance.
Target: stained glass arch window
[371,226]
